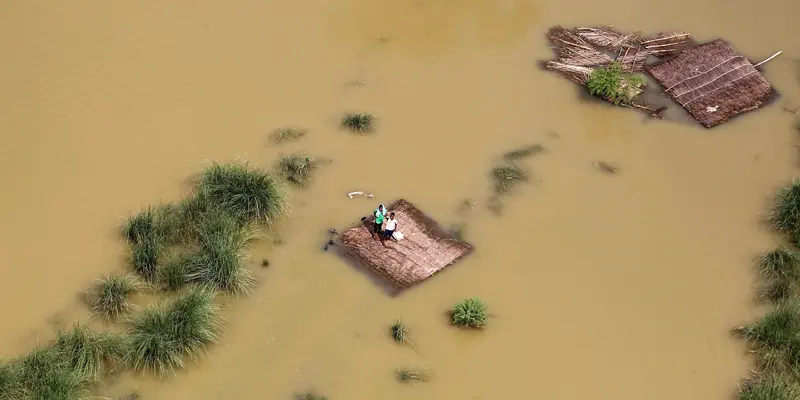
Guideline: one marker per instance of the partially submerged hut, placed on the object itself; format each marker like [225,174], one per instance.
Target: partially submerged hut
[712,82]
[425,249]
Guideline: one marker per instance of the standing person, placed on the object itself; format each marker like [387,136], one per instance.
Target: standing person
[380,215]
[391,226]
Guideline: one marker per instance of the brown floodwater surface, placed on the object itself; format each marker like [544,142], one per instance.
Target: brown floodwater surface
[600,286]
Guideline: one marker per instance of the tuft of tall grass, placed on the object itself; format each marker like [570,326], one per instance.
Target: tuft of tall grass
[524,152]
[160,224]
[398,331]
[172,275]
[779,271]
[310,396]
[470,313]
[10,385]
[770,387]
[406,375]
[359,122]
[144,258]
[86,351]
[247,194]
[162,335]
[286,134]
[508,176]
[45,374]
[297,168]
[110,296]
[776,338]
[785,213]
[220,261]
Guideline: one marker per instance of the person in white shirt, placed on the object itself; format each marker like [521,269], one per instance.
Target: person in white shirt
[391,225]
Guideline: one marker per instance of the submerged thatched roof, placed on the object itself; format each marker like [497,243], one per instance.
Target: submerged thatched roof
[426,249]
[713,82]
[571,49]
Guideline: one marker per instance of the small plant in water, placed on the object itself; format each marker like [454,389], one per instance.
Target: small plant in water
[399,333]
[85,351]
[506,177]
[524,152]
[110,297]
[310,396]
[359,122]
[470,313]
[615,85]
[265,263]
[297,168]
[286,134]
[405,375]
[785,213]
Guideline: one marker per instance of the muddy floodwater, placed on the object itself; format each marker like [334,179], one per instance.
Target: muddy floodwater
[600,286]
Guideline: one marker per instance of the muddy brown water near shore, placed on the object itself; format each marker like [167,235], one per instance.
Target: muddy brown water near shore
[604,286]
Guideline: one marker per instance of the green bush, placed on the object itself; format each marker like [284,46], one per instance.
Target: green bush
[613,84]
[470,313]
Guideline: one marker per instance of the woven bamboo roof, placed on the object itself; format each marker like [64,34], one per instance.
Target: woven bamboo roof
[713,82]
[425,250]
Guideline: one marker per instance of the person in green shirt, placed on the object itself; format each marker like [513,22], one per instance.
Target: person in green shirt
[380,215]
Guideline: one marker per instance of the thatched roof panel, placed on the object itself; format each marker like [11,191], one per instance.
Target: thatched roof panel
[425,250]
[713,82]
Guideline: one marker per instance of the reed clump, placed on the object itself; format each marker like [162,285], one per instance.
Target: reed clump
[507,177]
[310,396]
[247,194]
[359,122]
[785,214]
[524,152]
[770,387]
[219,262]
[110,297]
[172,276]
[46,374]
[776,338]
[162,335]
[406,375]
[470,313]
[779,272]
[10,385]
[88,352]
[297,168]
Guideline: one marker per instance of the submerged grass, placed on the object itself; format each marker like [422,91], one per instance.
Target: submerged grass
[247,194]
[162,335]
[776,338]
[286,134]
[10,385]
[507,176]
[359,122]
[405,375]
[779,271]
[220,261]
[110,297]
[297,168]
[470,313]
[86,351]
[771,387]
[310,396]
[524,152]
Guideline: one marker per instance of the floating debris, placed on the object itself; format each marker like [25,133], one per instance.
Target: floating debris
[605,167]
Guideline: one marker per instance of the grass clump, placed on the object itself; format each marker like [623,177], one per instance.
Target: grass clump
[776,338]
[507,176]
[144,258]
[220,261]
[524,152]
[110,298]
[297,168]
[247,194]
[399,333]
[770,387]
[10,385]
[359,122]
[160,224]
[45,374]
[405,375]
[286,134]
[785,213]
[779,270]
[172,276]
[86,351]
[162,335]
[615,85]
[470,313]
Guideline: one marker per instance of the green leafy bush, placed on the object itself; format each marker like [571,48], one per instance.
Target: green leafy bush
[470,313]
[613,84]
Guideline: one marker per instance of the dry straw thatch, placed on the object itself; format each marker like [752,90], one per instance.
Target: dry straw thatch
[713,82]
[425,250]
